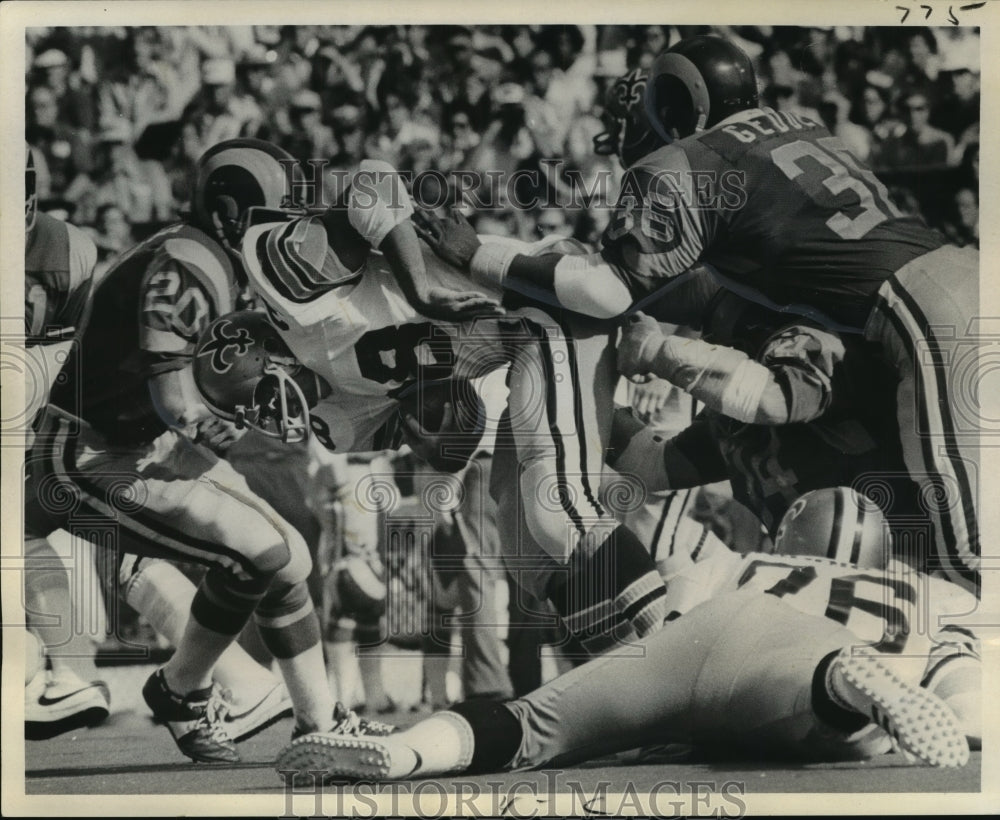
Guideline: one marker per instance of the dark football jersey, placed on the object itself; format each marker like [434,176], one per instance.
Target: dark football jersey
[832,380]
[781,211]
[58,263]
[147,314]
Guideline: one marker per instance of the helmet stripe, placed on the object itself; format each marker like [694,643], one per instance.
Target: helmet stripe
[859,526]
[833,547]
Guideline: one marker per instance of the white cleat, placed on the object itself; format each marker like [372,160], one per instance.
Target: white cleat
[919,721]
[58,702]
[244,722]
[338,757]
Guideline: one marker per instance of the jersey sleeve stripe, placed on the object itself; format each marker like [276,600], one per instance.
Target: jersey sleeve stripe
[213,271]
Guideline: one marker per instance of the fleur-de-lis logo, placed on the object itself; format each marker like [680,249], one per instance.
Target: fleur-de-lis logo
[226,344]
[630,88]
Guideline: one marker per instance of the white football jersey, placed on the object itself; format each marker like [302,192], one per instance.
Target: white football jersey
[898,610]
[355,328]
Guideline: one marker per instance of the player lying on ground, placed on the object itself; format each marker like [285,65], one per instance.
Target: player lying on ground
[333,287]
[797,657]
[785,215]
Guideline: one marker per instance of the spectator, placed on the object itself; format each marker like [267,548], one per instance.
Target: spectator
[963,226]
[212,112]
[958,111]
[833,111]
[924,63]
[874,114]
[74,104]
[309,138]
[112,235]
[920,144]
[398,126]
[349,133]
[60,145]
[119,178]
[460,138]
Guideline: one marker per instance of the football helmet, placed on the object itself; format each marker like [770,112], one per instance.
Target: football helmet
[838,523]
[30,190]
[697,83]
[246,374]
[239,176]
[629,135]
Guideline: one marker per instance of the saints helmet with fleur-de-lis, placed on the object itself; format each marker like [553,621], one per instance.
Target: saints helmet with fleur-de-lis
[246,374]
[628,134]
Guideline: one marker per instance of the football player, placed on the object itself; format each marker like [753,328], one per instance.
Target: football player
[58,267]
[800,657]
[783,214]
[334,286]
[814,411]
[138,448]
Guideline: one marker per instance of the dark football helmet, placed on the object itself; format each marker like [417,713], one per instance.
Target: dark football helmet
[30,190]
[246,374]
[838,523]
[697,83]
[629,135]
[238,177]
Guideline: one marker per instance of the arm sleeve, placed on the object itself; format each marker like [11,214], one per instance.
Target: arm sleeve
[803,360]
[378,201]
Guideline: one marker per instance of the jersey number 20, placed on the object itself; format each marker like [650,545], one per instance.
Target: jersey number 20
[833,172]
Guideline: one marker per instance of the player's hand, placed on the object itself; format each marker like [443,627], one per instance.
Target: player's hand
[452,238]
[640,342]
[649,397]
[448,305]
[218,435]
[427,444]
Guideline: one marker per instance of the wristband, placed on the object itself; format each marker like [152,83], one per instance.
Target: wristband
[491,261]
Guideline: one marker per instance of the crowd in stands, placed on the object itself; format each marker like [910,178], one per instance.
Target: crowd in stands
[119,116]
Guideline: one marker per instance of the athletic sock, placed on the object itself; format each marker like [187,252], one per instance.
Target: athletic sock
[611,595]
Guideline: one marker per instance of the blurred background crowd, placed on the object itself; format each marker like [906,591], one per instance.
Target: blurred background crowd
[119,116]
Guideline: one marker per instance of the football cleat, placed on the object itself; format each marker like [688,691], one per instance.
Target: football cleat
[918,722]
[338,757]
[348,722]
[244,722]
[195,720]
[57,702]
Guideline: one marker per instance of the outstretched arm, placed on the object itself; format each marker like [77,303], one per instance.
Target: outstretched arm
[791,383]
[401,248]
[584,284]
